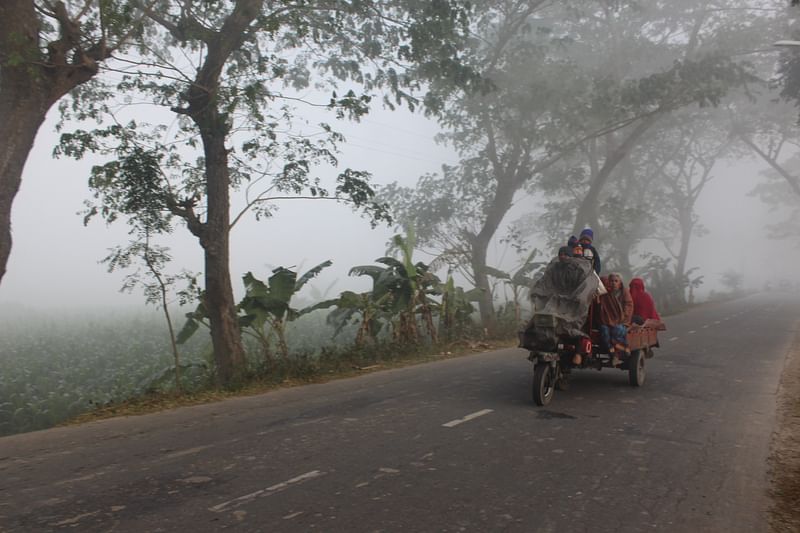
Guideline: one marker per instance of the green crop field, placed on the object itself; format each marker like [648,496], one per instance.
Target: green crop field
[56,366]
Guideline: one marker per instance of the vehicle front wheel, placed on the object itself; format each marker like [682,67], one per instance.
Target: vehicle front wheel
[636,371]
[543,384]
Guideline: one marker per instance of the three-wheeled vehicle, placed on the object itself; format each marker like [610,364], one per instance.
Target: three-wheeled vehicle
[563,334]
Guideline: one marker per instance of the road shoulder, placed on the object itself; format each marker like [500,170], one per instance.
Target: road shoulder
[784,458]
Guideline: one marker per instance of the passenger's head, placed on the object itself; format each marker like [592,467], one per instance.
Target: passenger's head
[615,280]
[564,252]
[636,285]
[577,250]
[572,241]
[586,236]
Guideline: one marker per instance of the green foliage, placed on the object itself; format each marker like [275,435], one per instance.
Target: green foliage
[404,289]
[571,82]
[519,281]
[455,311]
[234,74]
[264,310]
[374,45]
[54,367]
[366,310]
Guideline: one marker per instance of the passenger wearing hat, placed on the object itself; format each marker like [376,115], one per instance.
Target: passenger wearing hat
[589,251]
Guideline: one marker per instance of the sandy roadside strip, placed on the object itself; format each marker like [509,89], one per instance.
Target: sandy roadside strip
[784,457]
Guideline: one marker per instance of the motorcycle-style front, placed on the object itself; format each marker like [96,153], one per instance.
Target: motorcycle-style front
[551,368]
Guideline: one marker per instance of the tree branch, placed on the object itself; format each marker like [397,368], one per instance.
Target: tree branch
[793,181]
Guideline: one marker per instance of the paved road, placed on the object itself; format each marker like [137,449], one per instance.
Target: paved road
[450,446]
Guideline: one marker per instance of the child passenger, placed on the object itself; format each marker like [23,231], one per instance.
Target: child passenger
[589,251]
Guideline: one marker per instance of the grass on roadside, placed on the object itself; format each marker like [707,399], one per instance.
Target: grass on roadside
[300,371]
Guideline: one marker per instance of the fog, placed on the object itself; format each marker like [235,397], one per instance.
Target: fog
[55,259]
[671,128]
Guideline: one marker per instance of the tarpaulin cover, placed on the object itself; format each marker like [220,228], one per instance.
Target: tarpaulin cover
[561,300]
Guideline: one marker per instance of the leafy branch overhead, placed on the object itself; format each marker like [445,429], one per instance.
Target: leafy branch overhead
[49,49]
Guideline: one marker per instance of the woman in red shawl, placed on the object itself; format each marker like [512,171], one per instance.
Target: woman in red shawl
[643,305]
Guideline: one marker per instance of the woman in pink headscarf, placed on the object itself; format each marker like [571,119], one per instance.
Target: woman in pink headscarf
[643,305]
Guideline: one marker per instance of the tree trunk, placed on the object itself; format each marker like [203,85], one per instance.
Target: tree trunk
[202,103]
[485,303]
[504,196]
[29,85]
[22,111]
[587,212]
[226,337]
[687,226]
[23,106]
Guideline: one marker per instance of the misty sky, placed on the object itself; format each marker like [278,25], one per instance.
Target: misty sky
[54,260]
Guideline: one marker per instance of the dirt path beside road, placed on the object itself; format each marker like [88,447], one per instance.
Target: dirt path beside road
[784,459]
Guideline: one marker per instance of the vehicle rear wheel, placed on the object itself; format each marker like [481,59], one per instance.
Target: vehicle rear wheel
[543,384]
[636,370]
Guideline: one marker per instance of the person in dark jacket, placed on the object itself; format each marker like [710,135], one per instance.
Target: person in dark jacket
[589,251]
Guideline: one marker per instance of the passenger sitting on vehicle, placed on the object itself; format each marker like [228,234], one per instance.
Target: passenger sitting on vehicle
[644,308]
[616,310]
[589,251]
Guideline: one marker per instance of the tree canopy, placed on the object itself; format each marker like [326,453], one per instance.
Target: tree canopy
[232,74]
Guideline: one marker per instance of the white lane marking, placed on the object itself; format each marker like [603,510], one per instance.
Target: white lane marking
[726,318]
[188,451]
[706,326]
[74,520]
[693,331]
[454,423]
[716,322]
[673,338]
[236,502]
[87,477]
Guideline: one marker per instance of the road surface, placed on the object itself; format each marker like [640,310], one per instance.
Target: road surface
[455,445]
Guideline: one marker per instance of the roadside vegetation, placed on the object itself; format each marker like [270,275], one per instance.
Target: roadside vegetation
[57,368]
[196,114]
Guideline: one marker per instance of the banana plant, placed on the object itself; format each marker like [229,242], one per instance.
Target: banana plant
[265,308]
[519,279]
[456,309]
[362,308]
[406,288]
[269,304]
